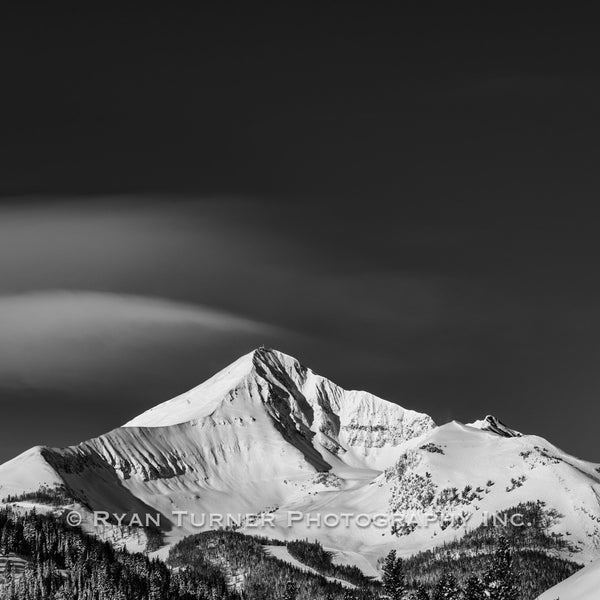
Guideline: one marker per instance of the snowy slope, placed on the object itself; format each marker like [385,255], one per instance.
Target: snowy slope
[266,435]
[457,456]
[282,554]
[362,427]
[583,585]
[28,471]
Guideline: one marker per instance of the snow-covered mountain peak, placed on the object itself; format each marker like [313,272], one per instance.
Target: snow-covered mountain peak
[269,381]
[495,425]
[198,402]
[204,399]
[264,413]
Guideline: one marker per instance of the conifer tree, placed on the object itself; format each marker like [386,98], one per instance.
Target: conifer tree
[474,589]
[9,581]
[291,590]
[394,583]
[421,593]
[500,583]
[446,588]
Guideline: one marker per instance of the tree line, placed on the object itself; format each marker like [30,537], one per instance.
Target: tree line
[63,563]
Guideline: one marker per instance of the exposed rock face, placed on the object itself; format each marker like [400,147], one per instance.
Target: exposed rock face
[491,423]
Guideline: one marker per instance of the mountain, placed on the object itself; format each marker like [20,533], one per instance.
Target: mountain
[267,438]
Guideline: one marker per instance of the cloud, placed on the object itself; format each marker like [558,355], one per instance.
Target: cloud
[37,312]
[62,338]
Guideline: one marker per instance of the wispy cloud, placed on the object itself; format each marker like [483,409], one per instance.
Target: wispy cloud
[59,339]
[37,313]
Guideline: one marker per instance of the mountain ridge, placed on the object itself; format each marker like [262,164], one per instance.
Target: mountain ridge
[267,435]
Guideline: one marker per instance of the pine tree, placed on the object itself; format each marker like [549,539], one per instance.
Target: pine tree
[421,593]
[474,589]
[499,579]
[291,590]
[9,581]
[394,583]
[446,588]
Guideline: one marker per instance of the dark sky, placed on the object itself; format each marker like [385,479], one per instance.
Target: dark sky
[404,201]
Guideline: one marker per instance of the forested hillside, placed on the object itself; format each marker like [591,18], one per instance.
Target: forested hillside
[41,558]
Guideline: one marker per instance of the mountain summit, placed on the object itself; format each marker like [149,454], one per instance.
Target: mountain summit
[298,402]
[491,423]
